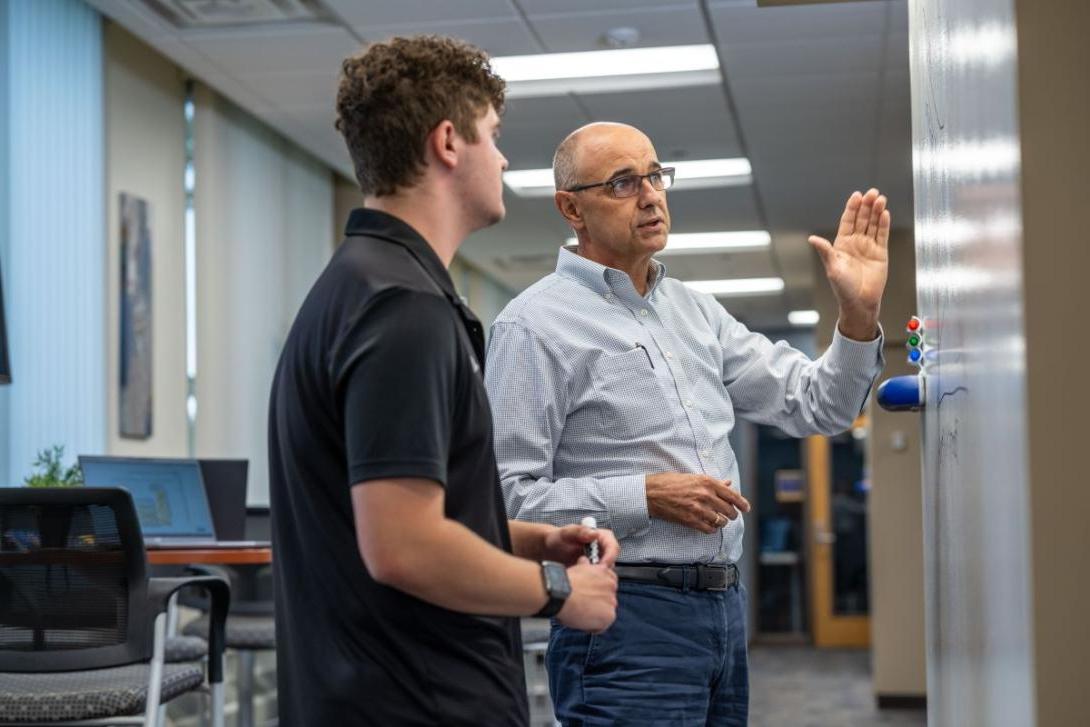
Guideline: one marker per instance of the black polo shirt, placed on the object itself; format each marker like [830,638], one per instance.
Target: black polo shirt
[381,377]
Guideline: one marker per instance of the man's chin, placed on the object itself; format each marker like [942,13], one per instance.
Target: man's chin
[491,217]
[656,244]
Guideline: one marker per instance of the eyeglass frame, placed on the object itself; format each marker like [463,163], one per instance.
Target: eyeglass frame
[667,171]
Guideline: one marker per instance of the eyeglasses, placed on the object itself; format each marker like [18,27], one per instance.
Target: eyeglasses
[629,184]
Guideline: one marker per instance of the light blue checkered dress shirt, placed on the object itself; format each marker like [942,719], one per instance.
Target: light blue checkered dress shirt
[594,386]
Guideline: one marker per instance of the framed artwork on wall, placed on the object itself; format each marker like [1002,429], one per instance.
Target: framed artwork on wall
[134,420]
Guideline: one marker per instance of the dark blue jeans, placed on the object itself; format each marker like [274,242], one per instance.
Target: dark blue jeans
[671,658]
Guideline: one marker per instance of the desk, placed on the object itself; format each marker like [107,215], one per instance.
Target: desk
[209,556]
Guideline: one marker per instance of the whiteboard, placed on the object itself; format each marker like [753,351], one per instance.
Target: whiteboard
[966,168]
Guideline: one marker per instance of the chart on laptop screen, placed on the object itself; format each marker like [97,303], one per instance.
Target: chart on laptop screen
[169,496]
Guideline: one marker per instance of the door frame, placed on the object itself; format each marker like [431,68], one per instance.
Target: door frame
[829,629]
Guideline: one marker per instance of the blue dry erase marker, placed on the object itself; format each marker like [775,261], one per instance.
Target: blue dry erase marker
[592,547]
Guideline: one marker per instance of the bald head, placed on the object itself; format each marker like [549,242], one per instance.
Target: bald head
[567,161]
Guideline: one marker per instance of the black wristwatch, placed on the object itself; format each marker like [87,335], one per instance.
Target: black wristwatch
[555,577]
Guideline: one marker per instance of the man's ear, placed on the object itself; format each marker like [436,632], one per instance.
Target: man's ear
[569,209]
[443,143]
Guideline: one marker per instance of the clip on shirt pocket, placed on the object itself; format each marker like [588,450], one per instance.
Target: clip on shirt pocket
[630,401]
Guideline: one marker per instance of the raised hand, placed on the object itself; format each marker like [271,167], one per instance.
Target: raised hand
[858,263]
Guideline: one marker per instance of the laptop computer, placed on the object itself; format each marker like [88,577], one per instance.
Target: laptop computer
[225,485]
[170,499]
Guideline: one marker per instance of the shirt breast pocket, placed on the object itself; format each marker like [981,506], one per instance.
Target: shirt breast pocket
[629,402]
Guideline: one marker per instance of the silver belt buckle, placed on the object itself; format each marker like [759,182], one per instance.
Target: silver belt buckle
[702,570]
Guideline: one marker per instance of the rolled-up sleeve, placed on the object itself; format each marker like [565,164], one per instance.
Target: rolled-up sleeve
[773,383]
[528,383]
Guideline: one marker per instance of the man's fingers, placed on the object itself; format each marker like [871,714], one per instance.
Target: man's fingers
[738,501]
[609,548]
[883,229]
[863,216]
[823,247]
[875,215]
[723,513]
[585,534]
[847,220]
[731,497]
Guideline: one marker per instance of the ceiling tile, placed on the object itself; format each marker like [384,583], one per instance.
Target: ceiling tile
[790,118]
[504,37]
[533,127]
[798,22]
[794,58]
[809,195]
[713,209]
[288,50]
[683,123]
[657,27]
[538,8]
[363,14]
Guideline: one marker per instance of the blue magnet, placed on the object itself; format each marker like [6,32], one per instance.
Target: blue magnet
[902,393]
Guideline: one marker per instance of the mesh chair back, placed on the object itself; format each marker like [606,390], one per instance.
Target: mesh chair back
[73,582]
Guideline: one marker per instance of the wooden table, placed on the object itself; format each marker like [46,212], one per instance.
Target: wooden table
[210,556]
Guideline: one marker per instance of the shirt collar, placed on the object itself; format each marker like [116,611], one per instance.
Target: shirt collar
[602,279]
[375,223]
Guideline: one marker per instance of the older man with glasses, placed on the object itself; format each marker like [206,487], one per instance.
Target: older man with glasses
[614,390]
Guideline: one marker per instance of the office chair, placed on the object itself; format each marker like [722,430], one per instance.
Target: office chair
[82,627]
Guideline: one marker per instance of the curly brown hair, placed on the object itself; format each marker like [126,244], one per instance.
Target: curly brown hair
[392,94]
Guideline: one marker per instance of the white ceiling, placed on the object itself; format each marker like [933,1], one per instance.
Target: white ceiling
[821,91]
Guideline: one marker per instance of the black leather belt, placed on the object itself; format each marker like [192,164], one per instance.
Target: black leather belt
[698,577]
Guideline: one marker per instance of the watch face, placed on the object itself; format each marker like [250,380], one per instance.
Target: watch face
[556,579]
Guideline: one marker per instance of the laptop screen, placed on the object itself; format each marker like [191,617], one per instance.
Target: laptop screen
[168,493]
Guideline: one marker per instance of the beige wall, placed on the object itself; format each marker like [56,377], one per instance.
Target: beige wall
[898,643]
[1054,116]
[895,508]
[263,236]
[145,157]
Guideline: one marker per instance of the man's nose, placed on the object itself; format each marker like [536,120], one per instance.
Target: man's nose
[648,194]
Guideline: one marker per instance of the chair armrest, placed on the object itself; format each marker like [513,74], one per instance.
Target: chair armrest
[245,586]
[161,589]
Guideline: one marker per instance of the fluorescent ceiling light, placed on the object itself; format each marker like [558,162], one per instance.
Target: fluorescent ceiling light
[803,317]
[692,174]
[695,243]
[603,71]
[704,173]
[737,286]
[530,182]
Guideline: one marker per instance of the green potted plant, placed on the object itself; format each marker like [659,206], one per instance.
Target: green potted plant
[51,472]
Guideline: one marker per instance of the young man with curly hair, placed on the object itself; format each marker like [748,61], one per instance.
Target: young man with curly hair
[398,577]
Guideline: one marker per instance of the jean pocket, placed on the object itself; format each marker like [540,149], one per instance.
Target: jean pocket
[592,652]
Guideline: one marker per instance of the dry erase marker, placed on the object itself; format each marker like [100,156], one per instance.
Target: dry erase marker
[591,548]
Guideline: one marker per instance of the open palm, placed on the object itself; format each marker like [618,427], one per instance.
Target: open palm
[857,264]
